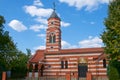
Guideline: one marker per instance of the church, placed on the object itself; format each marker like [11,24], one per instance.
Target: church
[54,63]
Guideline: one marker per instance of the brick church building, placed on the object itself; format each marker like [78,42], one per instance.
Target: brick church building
[80,63]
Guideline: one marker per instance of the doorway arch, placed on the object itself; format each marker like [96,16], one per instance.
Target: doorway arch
[82,68]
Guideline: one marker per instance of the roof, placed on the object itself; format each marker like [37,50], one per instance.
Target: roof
[39,55]
[79,50]
[54,15]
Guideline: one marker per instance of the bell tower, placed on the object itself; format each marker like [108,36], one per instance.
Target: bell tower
[53,33]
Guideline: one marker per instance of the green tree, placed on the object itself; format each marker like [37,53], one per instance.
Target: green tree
[111,35]
[28,53]
[113,70]
[19,70]
[7,47]
[2,21]
[10,57]
[111,39]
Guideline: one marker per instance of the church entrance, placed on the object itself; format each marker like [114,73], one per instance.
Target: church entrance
[82,69]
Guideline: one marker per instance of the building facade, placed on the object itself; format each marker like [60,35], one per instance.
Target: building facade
[87,63]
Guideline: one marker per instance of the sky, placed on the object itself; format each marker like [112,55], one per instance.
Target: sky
[82,22]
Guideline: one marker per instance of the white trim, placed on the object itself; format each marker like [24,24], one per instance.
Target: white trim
[72,66]
[68,55]
[95,73]
[49,73]
[61,70]
[53,49]
[75,62]
[95,65]
[90,58]
[62,74]
[52,59]
[73,58]
[98,69]
[52,63]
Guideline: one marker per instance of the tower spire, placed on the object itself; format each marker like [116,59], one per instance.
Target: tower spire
[54,15]
[54,6]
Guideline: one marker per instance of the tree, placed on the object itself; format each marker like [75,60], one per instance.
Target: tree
[7,47]
[28,53]
[2,21]
[10,57]
[19,69]
[111,38]
[113,70]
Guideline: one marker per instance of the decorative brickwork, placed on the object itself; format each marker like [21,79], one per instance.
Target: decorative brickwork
[89,76]
[53,38]
[59,63]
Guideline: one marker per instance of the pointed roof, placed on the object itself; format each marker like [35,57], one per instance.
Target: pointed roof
[54,15]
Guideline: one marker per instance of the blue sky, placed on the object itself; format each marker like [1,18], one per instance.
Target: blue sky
[81,25]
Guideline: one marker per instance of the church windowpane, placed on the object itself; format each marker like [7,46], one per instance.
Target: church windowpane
[66,64]
[52,38]
[62,64]
[104,63]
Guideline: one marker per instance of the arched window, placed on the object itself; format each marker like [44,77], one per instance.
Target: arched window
[104,63]
[66,64]
[52,38]
[36,67]
[62,64]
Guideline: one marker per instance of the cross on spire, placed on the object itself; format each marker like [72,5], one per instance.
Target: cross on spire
[54,6]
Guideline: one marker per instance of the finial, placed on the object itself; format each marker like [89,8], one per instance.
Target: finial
[54,6]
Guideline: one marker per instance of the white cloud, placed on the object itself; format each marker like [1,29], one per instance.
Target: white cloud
[39,12]
[87,4]
[37,3]
[41,20]
[37,28]
[41,35]
[39,47]
[65,24]
[87,43]
[40,15]
[17,25]
[91,42]
[66,45]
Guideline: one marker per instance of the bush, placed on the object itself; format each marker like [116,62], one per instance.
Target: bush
[18,72]
[114,70]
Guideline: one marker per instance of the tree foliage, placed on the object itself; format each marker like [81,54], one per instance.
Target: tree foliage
[111,35]
[10,57]
[111,39]
[7,47]
[114,70]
